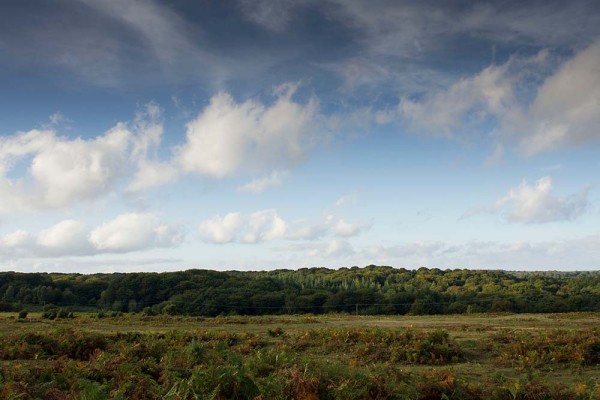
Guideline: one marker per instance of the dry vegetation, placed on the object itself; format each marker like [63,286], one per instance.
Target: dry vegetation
[504,356]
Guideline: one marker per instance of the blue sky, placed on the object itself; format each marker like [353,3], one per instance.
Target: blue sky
[153,136]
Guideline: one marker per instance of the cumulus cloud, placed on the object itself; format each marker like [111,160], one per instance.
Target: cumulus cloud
[67,237]
[537,204]
[221,230]
[151,174]
[126,233]
[12,148]
[79,169]
[228,135]
[15,239]
[257,227]
[341,228]
[131,232]
[60,171]
[41,170]
[260,184]
[263,226]
[267,225]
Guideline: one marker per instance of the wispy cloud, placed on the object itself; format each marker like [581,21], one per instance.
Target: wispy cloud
[258,185]
[565,111]
[576,253]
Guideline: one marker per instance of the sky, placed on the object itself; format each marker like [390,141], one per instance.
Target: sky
[262,134]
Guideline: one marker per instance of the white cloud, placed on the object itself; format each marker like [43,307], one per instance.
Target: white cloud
[558,254]
[15,239]
[228,135]
[41,170]
[316,252]
[566,110]
[266,225]
[161,27]
[305,230]
[470,101]
[16,245]
[149,130]
[126,233]
[75,170]
[221,230]
[414,254]
[342,228]
[57,119]
[66,237]
[260,184]
[338,249]
[346,199]
[537,204]
[151,174]
[131,232]
[257,227]
[60,171]
[162,37]
[12,148]
[151,171]
[274,15]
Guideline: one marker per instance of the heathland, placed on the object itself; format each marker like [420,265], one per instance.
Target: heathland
[330,356]
[352,333]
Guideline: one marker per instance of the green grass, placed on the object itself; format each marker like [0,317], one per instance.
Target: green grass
[520,356]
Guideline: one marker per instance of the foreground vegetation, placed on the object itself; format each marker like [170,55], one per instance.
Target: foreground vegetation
[333,356]
[369,290]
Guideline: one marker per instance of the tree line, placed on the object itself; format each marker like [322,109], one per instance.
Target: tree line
[369,290]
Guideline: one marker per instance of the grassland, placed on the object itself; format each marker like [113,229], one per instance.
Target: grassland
[481,356]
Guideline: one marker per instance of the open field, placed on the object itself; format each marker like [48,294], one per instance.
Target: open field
[502,356]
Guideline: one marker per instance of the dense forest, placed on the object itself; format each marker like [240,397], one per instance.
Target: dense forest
[369,290]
